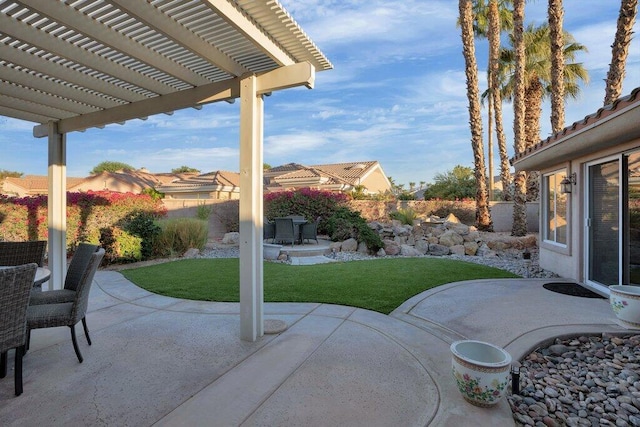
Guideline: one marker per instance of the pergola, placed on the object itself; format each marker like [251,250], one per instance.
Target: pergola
[69,65]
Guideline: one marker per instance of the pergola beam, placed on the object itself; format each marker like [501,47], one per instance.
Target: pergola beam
[238,20]
[212,92]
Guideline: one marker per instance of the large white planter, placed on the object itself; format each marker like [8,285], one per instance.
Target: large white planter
[481,371]
[625,302]
[271,251]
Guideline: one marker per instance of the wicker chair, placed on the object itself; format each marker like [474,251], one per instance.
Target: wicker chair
[268,229]
[285,230]
[15,288]
[19,253]
[75,271]
[67,313]
[310,231]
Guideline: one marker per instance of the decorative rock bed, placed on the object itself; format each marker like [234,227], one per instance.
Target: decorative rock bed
[584,381]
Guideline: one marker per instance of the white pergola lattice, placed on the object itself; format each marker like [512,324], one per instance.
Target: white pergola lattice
[68,65]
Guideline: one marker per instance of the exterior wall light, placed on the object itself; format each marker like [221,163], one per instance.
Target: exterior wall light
[567,183]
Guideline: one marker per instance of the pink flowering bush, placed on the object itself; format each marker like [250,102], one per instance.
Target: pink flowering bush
[26,218]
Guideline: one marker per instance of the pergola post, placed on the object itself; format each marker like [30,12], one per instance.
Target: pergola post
[251,210]
[57,207]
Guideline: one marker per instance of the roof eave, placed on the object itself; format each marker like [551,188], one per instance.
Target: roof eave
[612,130]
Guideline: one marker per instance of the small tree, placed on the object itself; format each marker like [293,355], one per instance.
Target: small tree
[109,166]
[458,183]
[185,169]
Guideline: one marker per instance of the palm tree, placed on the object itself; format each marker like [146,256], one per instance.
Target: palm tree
[620,50]
[537,80]
[556,15]
[519,227]
[483,215]
[496,23]
[490,18]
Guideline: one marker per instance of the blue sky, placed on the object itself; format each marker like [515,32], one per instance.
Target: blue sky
[396,94]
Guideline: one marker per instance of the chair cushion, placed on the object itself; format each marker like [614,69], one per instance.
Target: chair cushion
[49,315]
[52,297]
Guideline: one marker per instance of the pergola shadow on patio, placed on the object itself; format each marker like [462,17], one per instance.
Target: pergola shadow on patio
[69,66]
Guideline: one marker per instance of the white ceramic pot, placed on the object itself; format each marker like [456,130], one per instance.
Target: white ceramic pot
[625,302]
[270,251]
[481,371]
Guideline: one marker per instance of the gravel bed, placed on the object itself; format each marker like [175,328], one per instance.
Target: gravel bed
[584,381]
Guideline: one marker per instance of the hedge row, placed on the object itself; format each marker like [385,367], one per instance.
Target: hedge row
[88,215]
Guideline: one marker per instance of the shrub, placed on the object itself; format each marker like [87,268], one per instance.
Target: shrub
[306,202]
[203,212]
[345,223]
[143,225]
[405,216]
[120,246]
[180,234]
[25,218]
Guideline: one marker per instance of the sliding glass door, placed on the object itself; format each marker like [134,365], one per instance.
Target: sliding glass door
[603,223]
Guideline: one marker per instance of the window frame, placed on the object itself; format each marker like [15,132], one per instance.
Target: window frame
[546,210]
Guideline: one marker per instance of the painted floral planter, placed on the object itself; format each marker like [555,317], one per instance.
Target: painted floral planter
[625,302]
[481,371]
[270,251]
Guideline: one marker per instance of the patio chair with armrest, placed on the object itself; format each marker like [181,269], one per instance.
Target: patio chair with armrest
[51,315]
[20,253]
[285,231]
[268,229]
[75,271]
[310,230]
[15,289]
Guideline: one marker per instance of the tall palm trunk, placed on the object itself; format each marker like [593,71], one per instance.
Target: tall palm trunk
[483,215]
[620,50]
[556,39]
[533,110]
[496,97]
[519,227]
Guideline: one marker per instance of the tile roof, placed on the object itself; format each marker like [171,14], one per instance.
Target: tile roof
[39,183]
[600,115]
[335,173]
[216,178]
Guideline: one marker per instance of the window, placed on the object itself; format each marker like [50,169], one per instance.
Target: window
[555,208]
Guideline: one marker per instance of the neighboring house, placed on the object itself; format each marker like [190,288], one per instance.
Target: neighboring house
[31,185]
[338,177]
[125,181]
[590,196]
[121,181]
[220,185]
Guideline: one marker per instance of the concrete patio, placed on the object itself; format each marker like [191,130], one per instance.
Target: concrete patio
[168,362]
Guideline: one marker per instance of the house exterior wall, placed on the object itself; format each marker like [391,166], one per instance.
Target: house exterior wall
[376,182]
[569,262]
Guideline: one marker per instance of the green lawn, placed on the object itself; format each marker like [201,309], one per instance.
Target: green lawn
[379,285]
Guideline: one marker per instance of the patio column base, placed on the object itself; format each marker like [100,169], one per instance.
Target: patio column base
[275,326]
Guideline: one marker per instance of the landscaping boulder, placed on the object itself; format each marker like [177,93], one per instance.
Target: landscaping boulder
[391,247]
[350,245]
[232,238]
[362,248]
[470,248]
[451,238]
[335,246]
[406,250]
[438,250]
[422,246]
[191,253]
[457,249]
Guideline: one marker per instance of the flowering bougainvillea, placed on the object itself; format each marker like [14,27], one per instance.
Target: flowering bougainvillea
[26,218]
